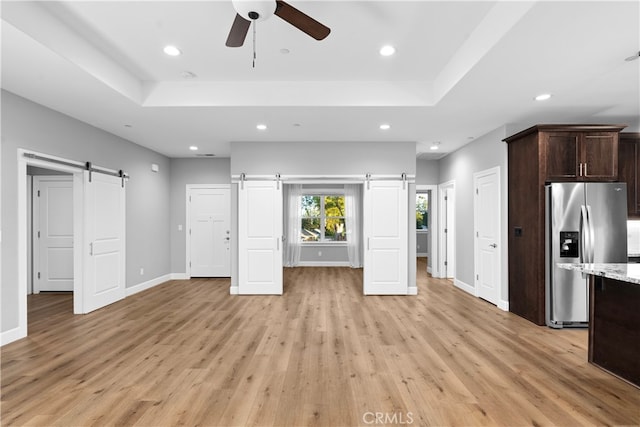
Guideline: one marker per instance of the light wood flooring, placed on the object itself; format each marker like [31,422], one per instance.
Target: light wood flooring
[188,353]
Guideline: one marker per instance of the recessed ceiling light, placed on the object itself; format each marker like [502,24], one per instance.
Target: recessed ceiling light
[172,50]
[543,97]
[435,145]
[385,126]
[261,127]
[284,51]
[193,148]
[128,126]
[387,50]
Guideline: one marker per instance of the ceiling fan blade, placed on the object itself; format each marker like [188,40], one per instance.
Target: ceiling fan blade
[238,31]
[301,21]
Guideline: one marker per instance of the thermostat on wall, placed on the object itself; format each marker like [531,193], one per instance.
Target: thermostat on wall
[155,167]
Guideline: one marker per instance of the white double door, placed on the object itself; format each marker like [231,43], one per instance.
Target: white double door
[385,238]
[209,232]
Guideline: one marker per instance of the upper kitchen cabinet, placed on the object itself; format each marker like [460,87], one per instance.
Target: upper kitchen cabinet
[580,155]
[629,170]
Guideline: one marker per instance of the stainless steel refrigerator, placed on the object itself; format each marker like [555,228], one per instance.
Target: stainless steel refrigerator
[585,223]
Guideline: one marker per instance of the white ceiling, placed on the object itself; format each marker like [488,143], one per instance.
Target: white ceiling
[461,70]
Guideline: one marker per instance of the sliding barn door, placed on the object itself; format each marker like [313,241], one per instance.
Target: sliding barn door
[260,238]
[104,241]
[386,238]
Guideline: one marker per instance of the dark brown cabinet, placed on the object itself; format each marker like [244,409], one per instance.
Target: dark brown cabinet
[538,155]
[581,156]
[629,170]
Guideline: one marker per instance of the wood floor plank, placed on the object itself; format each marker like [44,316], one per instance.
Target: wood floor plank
[188,353]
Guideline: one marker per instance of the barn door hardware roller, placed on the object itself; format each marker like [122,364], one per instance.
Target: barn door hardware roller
[404,180]
[242,178]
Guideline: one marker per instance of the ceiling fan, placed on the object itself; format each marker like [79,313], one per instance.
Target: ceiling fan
[249,11]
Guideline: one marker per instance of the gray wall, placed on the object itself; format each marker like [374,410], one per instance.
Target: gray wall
[427,172]
[32,126]
[484,153]
[348,158]
[183,172]
[351,158]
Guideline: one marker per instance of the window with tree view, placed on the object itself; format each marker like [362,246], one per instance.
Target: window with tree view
[422,211]
[323,218]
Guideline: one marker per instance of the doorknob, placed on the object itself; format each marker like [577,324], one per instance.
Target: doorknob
[493,245]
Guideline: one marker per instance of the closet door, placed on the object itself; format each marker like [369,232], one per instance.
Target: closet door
[386,238]
[260,238]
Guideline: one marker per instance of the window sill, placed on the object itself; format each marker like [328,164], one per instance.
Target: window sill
[422,230]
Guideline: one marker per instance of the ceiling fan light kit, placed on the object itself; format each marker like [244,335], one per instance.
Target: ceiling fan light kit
[248,11]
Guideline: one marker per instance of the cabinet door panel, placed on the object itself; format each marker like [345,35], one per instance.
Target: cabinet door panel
[628,172]
[562,156]
[600,156]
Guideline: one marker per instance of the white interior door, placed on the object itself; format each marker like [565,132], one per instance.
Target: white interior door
[260,238]
[210,211]
[104,241]
[487,225]
[386,238]
[53,233]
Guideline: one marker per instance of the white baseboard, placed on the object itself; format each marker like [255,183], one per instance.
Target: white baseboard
[324,264]
[234,290]
[429,270]
[413,290]
[179,276]
[147,285]
[465,287]
[12,335]
[503,305]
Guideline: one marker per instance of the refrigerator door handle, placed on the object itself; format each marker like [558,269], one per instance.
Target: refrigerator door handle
[592,236]
[583,235]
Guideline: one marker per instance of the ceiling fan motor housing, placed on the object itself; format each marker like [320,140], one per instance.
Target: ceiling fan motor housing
[255,10]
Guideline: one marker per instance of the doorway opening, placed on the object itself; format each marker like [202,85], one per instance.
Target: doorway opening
[427,228]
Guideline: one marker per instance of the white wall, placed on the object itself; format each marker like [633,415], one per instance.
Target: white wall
[183,172]
[427,172]
[484,153]
[31,126]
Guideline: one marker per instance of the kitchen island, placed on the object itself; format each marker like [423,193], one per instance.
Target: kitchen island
[614,317]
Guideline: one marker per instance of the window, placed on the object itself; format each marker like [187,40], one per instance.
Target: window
[422,211]
[323,218]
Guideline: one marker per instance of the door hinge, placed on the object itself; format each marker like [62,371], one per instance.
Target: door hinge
[38,274]
[189,232]
[445,230]
[38,193]
[445,263]
[477,234]
[477,277]
[38,234]
[477,191]
[446,198]
[189,198]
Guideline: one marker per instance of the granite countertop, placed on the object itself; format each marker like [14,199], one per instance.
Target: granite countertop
[623,272]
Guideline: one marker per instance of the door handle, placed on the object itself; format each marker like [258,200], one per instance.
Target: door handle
[493,245]
[91,248]
[580,169]
[592,235]
[584,235]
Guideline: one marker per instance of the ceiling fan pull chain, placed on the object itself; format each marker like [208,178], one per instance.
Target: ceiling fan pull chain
[254,44]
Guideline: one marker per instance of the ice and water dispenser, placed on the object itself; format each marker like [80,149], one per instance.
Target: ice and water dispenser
[569,244]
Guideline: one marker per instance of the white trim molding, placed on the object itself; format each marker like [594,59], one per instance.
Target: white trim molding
[12,335]
[234,290]
[503,305]
[413,290]
[147,285]
[465,287]
[323,264]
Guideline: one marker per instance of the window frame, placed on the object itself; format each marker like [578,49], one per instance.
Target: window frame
[323,218]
